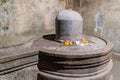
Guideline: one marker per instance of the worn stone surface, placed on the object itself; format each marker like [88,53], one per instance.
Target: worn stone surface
[49,45]
[59,62]
[19,62]
[100,18]
[106,14]
[13,65]
[20,20]
[29,73]
[67,22]
[104,74]
[17,57]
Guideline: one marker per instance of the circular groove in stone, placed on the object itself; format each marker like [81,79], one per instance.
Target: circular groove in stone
[72,61]
[55,67]
[101,72]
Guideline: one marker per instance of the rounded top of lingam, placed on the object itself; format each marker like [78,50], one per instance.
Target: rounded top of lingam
[69,14]
[69,26]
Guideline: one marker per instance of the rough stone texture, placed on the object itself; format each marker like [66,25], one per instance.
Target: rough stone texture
[116,68]
[95,44]
[29,73]
[19,62]
[20,20]
[109,11]
[108,17]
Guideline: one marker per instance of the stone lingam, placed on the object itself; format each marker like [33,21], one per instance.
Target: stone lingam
[69,55]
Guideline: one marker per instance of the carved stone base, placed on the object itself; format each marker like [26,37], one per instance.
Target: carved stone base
[103,74]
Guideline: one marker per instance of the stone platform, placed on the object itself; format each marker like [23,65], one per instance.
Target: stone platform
[90,60]
[21,60]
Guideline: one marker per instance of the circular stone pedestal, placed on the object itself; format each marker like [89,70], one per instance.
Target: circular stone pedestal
[88,61]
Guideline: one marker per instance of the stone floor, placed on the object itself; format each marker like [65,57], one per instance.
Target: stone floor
[116,69]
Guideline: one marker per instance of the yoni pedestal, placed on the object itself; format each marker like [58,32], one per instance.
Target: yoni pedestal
[88,61]
[68,55]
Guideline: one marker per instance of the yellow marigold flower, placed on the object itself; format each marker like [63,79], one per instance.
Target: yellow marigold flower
[84,40]
[68,43]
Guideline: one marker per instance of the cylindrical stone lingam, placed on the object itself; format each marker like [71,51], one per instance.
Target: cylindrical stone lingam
[68,25]
[89,60]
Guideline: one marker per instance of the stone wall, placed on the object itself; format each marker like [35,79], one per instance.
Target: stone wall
[21,20]
[102,18]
